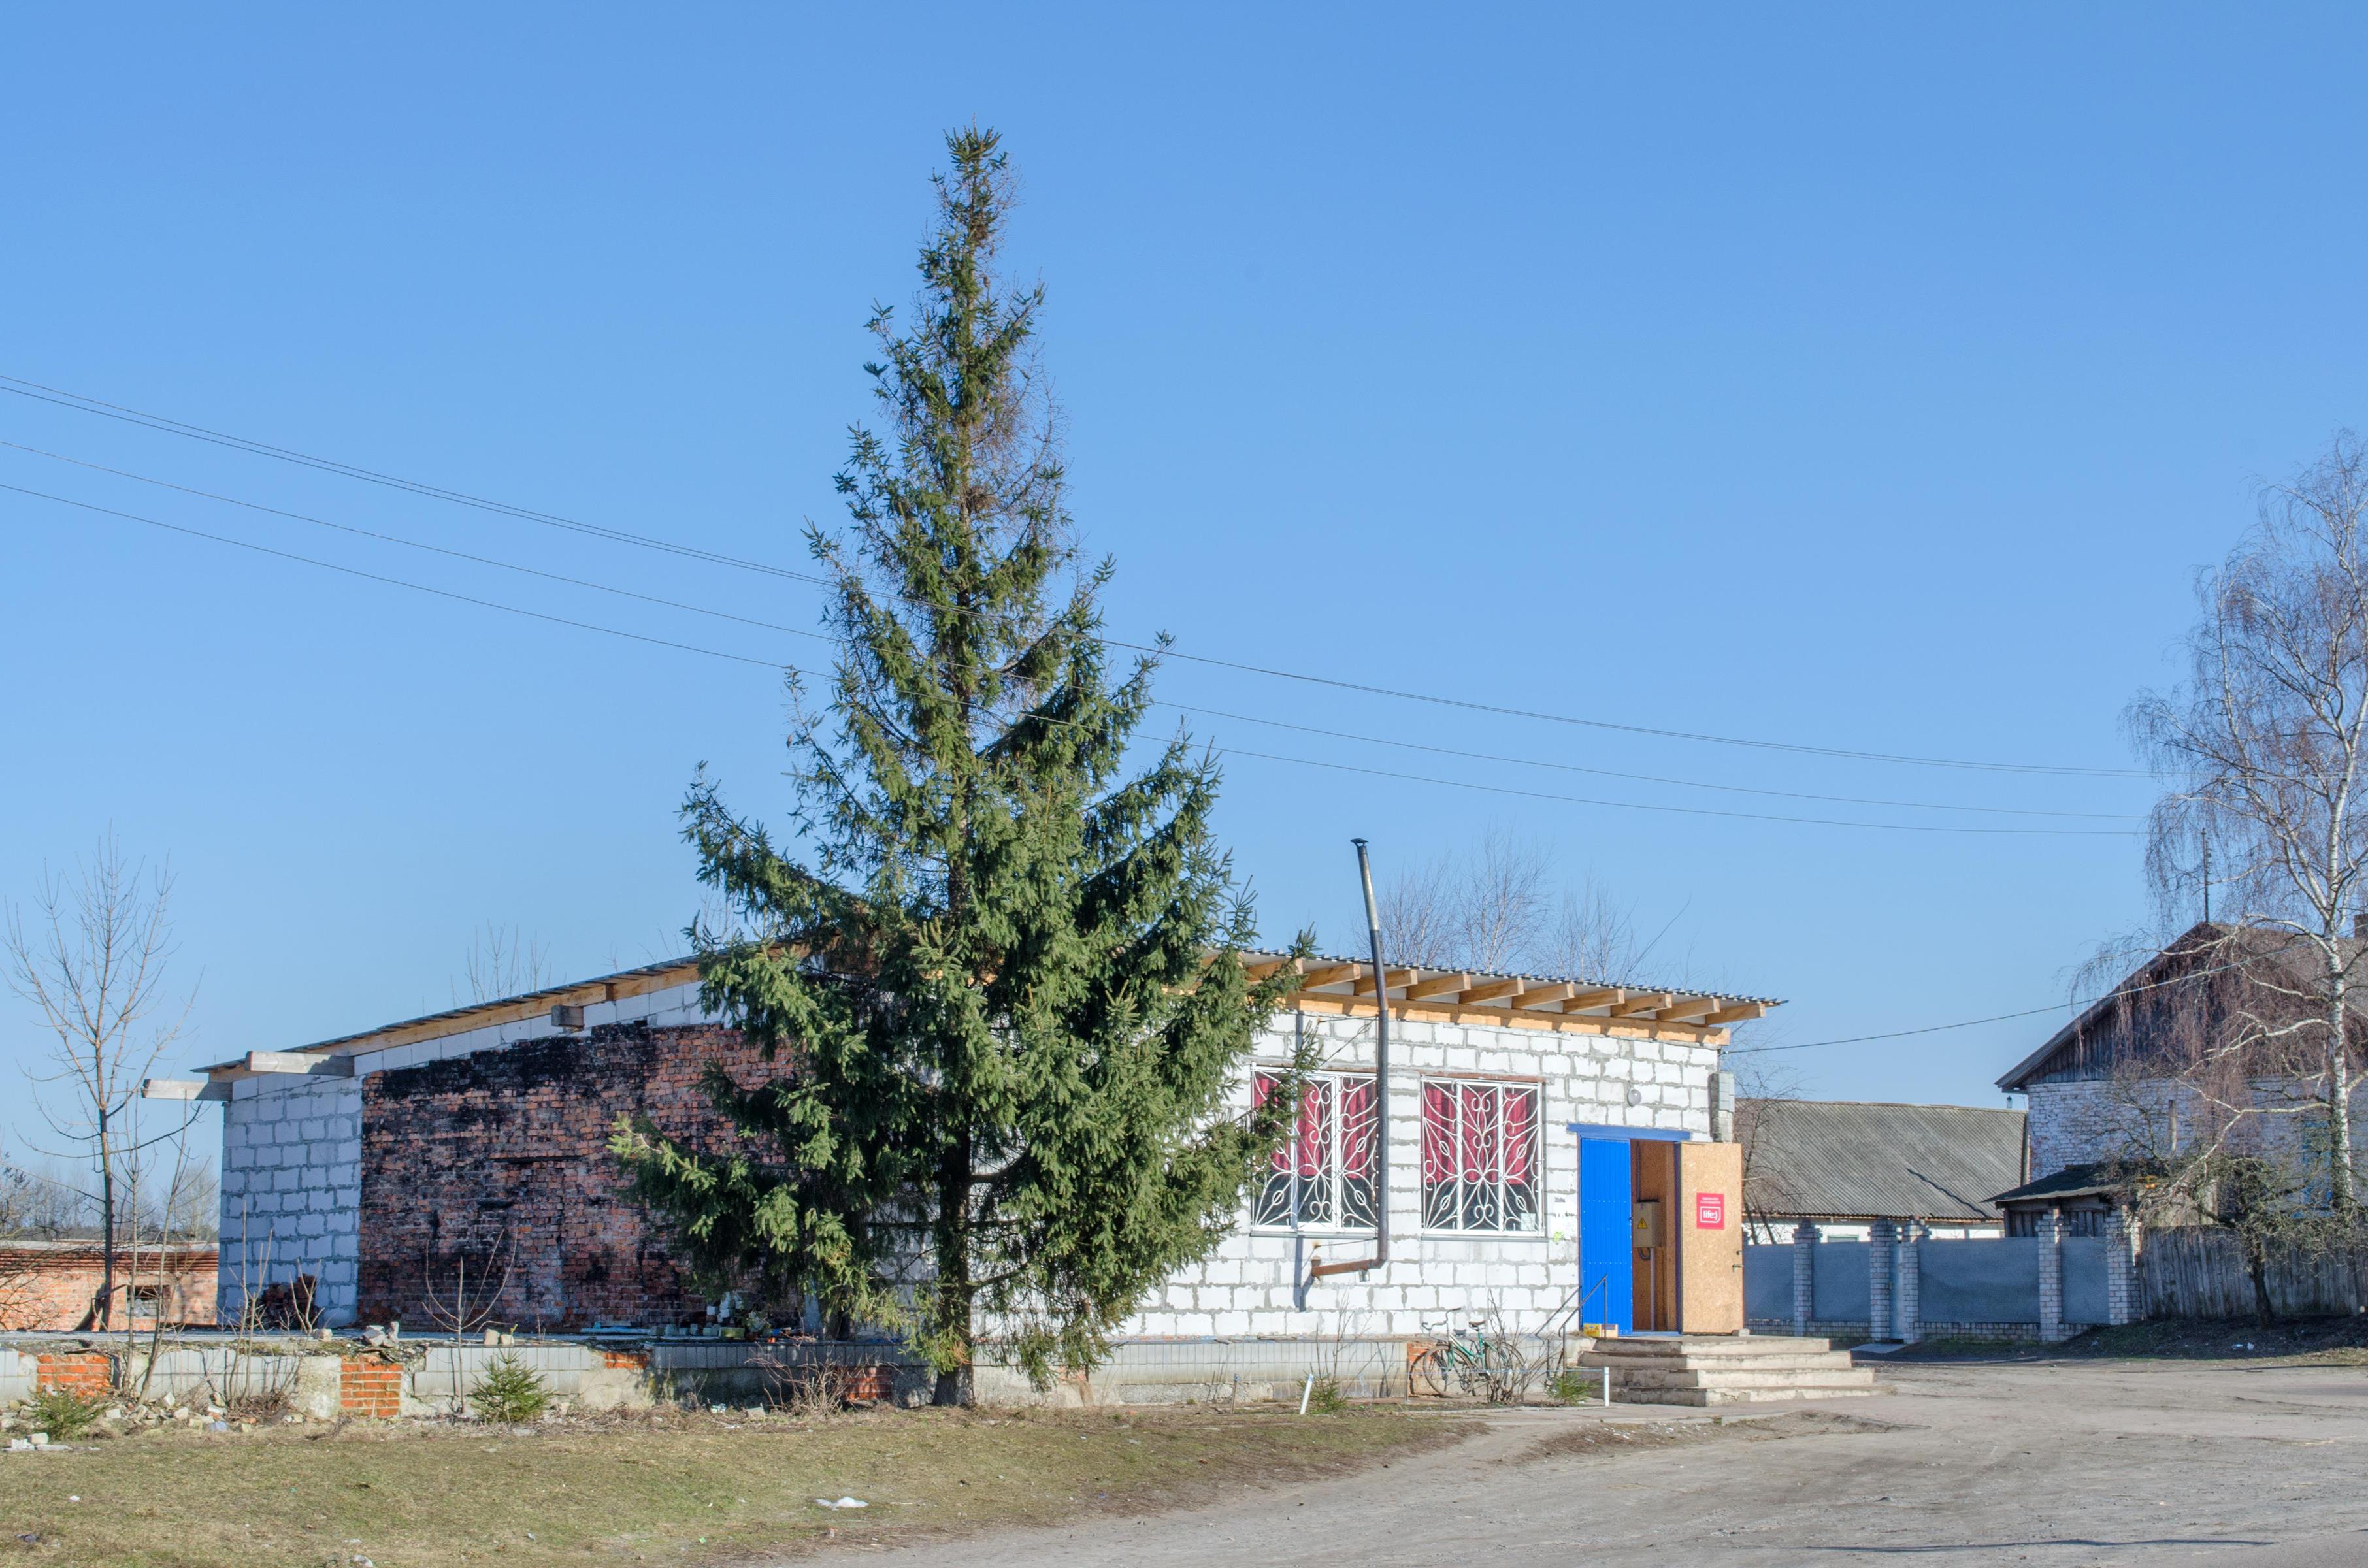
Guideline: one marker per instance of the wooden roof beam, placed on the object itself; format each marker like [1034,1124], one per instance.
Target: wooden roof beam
[1329,974]
[1691,1008]
[1437,985]
[1543,994]
[1488,991]
[1643,1002]
[1738,1012]
[1595,996]
[1391,980]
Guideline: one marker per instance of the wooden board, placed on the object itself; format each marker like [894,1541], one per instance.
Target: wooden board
[1708,1226]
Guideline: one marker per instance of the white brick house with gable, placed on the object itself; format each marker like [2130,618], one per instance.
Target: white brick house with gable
[1493,1080]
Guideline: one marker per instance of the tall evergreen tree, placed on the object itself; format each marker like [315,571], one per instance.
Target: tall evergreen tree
[1003,976]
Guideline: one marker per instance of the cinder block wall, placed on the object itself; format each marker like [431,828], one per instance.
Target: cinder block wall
[1249,1286]
[291,1170]
[373,1184]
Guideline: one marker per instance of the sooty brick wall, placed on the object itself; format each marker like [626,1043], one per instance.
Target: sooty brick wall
[499,1160]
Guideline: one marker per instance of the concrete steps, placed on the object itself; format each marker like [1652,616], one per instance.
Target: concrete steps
[1744,1370]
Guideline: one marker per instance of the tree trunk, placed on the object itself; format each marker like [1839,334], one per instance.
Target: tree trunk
[2338,1108]
[104,1318]
[953,1271]
[2257,1269]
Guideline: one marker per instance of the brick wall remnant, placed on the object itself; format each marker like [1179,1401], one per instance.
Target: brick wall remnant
[87,1373]
[498,1161]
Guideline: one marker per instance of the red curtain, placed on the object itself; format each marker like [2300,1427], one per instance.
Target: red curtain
[1438,1133]
[1360,1128]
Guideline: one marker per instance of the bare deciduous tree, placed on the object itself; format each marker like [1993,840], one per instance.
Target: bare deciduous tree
[92,961]
[2267,742]
[1493,908]
[501,962]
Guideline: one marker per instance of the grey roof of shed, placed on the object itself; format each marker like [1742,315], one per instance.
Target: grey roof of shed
[1848,1160]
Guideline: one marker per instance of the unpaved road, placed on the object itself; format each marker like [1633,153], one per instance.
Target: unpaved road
[2054,1464]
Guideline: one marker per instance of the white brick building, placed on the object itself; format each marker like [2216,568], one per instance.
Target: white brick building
[1491,1077]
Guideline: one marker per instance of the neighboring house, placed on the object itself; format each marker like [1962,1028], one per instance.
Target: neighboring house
[2166,1062]
[1841,1165]
[362,1174]
[55,1285]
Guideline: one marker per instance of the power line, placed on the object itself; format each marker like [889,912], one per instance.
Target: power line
[1994,1018]
[1191,708]
[1221,751]
[401,582]
[1641,777]
[80,403]
[418,544]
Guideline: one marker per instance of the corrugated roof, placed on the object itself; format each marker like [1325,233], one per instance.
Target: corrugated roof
[1846,1159]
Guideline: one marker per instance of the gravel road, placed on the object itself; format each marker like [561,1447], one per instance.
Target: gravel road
[2049,1463]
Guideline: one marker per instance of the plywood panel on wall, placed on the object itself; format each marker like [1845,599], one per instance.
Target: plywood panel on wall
[1708,1228]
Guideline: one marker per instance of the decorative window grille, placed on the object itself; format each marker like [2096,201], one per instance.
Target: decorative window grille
[1324,1174]
[1479,1157]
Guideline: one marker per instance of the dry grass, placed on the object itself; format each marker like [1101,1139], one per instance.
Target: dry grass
[669,1489]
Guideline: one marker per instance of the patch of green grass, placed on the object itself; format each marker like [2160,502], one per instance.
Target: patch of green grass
[667,1488]
[1577,1385]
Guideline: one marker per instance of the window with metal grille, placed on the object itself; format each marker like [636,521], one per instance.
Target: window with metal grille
[1479,1157]
[1325,1175]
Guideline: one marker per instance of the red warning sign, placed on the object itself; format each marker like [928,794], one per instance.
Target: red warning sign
[1710,1211]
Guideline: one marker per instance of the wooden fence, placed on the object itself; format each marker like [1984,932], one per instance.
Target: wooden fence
[2194,1272]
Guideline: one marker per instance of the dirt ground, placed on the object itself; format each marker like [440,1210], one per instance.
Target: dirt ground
[2054,1462]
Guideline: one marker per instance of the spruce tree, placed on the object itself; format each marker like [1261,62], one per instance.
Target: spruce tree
[1001,972]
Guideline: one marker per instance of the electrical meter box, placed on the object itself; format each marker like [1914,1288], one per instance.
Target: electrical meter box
[1648,1223]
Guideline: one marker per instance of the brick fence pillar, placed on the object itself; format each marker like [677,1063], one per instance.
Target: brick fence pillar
[1880,1236]
[1805,1277]
[2051,1276]
[1908,1277]
[2123,1291]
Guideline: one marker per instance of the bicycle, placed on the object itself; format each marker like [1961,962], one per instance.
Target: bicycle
[1478,1364]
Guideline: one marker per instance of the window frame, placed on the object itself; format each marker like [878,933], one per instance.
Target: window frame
[1457,1084]
[1335,1174]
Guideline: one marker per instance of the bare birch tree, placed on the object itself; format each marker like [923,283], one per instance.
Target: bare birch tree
[91,960]
[2267,746]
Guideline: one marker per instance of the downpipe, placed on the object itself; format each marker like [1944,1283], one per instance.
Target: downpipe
[1381,1088]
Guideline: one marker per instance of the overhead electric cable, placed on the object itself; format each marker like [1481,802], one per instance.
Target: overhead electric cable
[1993,1018]
[419,544]
[1180,707]
[1640,778]
[80,402]
[1220,750]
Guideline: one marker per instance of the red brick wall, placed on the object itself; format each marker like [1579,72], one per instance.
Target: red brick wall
[501,1157]
[369,1387]
[84,1372]
[54,1285]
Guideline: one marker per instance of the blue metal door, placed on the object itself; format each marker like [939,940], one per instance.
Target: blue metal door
[1607,1279]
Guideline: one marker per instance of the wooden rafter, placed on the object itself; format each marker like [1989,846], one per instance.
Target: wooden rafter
[1437,985]
[1643,1002]
[1490,990]
[1329,974]
[1543,994]
[1394,978]
[1738,1012]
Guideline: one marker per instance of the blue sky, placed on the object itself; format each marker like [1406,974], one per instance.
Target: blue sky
[1849,379]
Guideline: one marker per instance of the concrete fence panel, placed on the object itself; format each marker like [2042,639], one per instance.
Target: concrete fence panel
[1767,1283]
[1839,1282]
[1987,1280]
[16,1375]
[2084,1281]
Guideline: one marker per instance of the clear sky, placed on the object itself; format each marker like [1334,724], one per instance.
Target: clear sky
[1849,379]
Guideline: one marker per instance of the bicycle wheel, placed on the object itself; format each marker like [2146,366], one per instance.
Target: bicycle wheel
[1472,1371]
[1426,1374]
